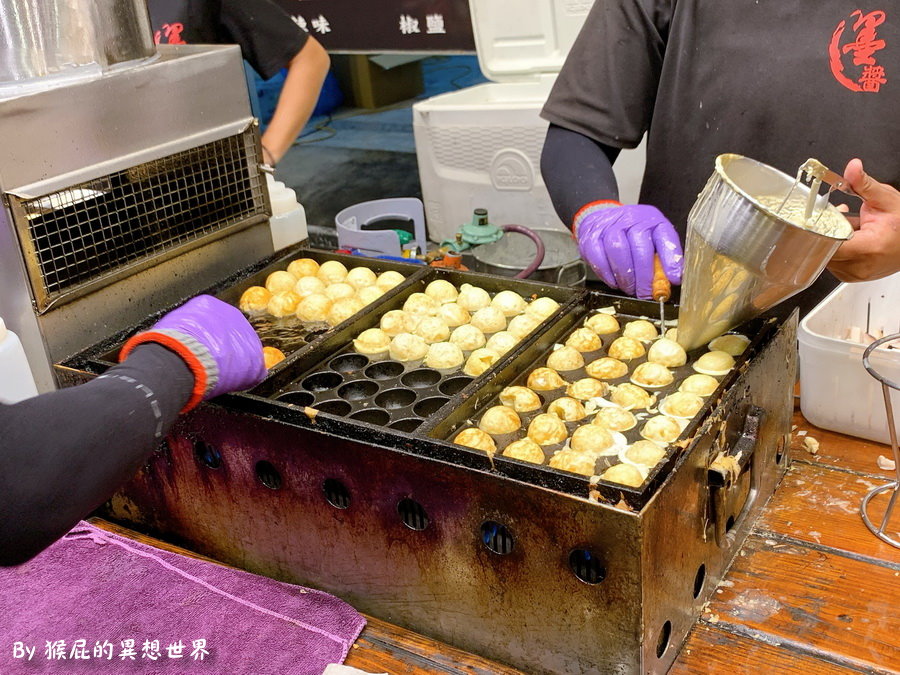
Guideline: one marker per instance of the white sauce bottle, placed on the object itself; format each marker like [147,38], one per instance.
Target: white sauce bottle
[16,380]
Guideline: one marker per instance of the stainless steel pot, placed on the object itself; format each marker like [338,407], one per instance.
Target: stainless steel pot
[511,254]
[55,38]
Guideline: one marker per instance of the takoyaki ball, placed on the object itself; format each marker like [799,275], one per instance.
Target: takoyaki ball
[442,291]
[667,353]
[509,302]
[681,404]
[672,334]
[397,321]
[476,439]
[280,282]
[343,309]
[732,343]
[388,280]
[547,429]
[272,356]
[565,359]
[433,329]
[340,290]
[615,418]
[641,329]
[574,462]
[489,320]
[467,337]
[444,356]
[522,326]
[584,340]
[407,347]
[525,450]
[545,379]
[602,323]
[314,307]
[255,299]
[715,363]
[702,385]
[283,304]
[591,438]
[631,397]
[587,388]
[421,304]
[502,342]
[472,298]
[480,361]
[626,348]
[520,399]
[661,429]
[454,315]
[567,409]
[332,272]
[607,368]
[623,474]
[360,277]
[308,285]
[499,419]
[646,453]
[369,294]
[542,308]
[651,374]
[372,341]
[303,267]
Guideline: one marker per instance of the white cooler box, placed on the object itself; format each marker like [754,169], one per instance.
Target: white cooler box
[836,392]
[481,147]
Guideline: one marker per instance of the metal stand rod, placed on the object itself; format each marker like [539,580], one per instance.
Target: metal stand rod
[894,486]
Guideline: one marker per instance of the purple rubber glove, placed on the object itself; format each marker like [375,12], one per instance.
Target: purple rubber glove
[215,340]
[618,242]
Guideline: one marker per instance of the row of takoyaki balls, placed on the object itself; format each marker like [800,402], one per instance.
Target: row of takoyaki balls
[448,327]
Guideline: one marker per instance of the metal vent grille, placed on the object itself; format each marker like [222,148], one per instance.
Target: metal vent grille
[94,232]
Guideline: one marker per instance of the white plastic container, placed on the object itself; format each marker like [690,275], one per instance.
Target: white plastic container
[16,380]
[836,392]
[288,221]
[480,147]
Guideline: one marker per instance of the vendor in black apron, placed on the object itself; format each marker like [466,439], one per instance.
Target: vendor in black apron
[778,82]
[269,41]
[64,453]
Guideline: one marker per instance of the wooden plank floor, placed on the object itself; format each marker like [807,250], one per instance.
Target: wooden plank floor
[811,592]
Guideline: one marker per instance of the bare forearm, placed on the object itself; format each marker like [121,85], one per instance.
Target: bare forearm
[306,73]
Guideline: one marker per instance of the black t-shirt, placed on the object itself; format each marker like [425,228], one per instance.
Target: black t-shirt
[268,36]
[776,80]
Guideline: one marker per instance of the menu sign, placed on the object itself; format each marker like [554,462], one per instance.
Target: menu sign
[385,25]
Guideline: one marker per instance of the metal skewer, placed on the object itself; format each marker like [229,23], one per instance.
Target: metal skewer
[894,486]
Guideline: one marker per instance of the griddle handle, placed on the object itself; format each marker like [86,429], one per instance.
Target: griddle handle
[726,488]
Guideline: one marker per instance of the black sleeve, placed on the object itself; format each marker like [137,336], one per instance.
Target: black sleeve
[64,453]
[607,86]
[268,36]
[577,170]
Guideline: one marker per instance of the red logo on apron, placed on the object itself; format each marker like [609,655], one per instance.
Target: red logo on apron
[171,32]
[862,47]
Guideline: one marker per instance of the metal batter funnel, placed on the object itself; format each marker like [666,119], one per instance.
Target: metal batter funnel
[741,257]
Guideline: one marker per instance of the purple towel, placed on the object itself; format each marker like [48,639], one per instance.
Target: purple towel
[111,605]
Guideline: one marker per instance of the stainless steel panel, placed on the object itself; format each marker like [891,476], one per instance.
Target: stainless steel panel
[61,137]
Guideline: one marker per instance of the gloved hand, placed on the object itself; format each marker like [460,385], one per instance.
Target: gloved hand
[216,342]
[618,242]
